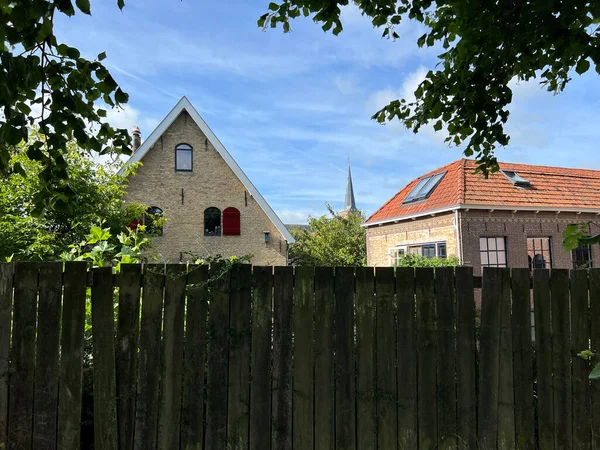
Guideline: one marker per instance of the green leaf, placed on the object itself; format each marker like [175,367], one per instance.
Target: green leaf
[273,6]
[121,4]
[595,373]
[438,125]
[102,56]
[84,6]
[586,354]
[582,66]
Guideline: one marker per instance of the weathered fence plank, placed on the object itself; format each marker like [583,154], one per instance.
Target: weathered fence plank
[282,358]
[71,355]
[260,388]
[561,358]
[105,385]
[126,350]
[6,294]
[506,400]
[523,360]
[580,330]
[192,413]
[303,358]
[446,357]
[365,359]
[407,358]
[466,368]
[543,354]
[22,357]
[345,430]
[45,406]
[489,368]
[172,357]
[146,413]
[386,395]
[239,357]
[594,282]
[218,358]
[427,359]
[324,366]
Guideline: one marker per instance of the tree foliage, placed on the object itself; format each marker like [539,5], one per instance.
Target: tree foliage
[99,193]
[333,240]
[409,260]
[483,45]
[48,83]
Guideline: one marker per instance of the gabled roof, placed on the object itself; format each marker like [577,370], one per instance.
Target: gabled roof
[185,105]
[550,189]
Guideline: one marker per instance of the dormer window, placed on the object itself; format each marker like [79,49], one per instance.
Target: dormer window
[183,158]
[516,179]
[424,188]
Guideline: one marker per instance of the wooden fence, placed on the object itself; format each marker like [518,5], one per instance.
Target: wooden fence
[304,358]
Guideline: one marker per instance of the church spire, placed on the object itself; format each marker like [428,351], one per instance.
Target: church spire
[349,202]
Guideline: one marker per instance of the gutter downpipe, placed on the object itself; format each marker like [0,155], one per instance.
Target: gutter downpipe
[459,236]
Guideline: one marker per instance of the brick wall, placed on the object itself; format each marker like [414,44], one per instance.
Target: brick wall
[212,183]
[420,231]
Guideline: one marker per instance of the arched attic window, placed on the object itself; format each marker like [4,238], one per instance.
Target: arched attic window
[183,158]
[231,222]
[153,219]
[212,221]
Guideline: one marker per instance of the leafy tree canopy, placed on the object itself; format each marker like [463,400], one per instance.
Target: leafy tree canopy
[333,240]
[484,45]
[99,191]
[49,83]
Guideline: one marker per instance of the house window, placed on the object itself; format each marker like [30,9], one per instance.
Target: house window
[582,257]
[441,250]
[212,222]
[539,253]
[429,250]
[396,255]
[231,222]
[183,158]
[492,251]
[424,188]
[152,219]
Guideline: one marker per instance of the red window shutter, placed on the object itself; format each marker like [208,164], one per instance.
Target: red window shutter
[231,222]
[133,225]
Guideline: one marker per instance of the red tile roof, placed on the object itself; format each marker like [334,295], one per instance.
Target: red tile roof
[550,187]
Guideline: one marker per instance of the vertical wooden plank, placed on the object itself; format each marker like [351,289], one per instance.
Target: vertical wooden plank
[239,357]
[407,359]
[47,356]
[387,420]
[22,357]
[491,308]
[282,358]
[172,357]
[466,370]
[218,358]
[561,358]
[105,385]
[324,367]
[345,431]
[506,391]
[192,414]
[6,294]
[303,358]
[260,388]
[543,356]
[146,411]
[594,281]
[522,359]
[446,357]
[128,328]
[366,433]
[427,359]
[580,329]
[71,354]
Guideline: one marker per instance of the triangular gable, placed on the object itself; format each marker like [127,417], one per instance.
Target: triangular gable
[185,105]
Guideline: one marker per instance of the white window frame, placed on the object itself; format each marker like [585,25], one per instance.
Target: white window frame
[493,251]
[392,249]
[406,247]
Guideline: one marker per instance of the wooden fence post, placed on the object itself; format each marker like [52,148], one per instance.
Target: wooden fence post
[6,294]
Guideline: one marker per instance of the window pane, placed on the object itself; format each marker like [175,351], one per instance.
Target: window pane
[545,243]
[492,244]
[212,222]
[493,256]
[184,159]
[500,243]
[502,258]
[482,243]
[442,250]
[484,258]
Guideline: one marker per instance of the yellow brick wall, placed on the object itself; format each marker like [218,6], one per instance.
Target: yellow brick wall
[380,239]
[212,183]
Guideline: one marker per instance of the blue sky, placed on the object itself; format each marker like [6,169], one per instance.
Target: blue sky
[293,108]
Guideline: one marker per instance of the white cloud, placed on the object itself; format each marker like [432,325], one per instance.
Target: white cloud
[127,116]
[293,217]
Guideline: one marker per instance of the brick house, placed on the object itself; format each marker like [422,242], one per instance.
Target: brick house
[209,204]
[514,218]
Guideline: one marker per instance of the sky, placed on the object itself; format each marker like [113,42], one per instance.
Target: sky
[292,109]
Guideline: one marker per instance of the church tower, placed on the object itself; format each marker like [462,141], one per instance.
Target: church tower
[349,202]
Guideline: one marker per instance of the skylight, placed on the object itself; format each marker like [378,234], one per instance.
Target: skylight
[424,188]
[516,179]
